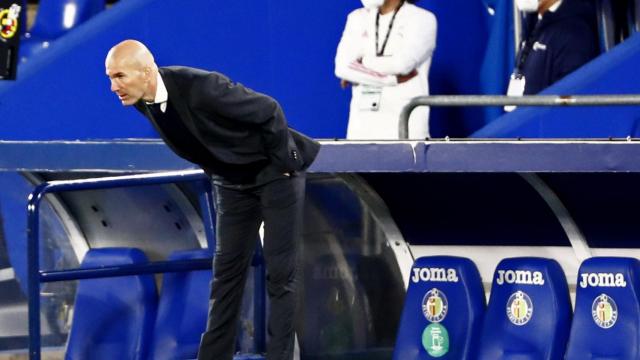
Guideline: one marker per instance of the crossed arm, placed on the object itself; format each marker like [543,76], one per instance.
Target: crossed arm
[353,66]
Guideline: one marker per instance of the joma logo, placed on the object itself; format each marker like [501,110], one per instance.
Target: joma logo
[602,280]
[520,277]
[434,274]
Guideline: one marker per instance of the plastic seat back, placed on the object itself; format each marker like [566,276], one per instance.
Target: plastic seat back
[182,310]
[113,317]
[529,311]
[606,323]
[443,310]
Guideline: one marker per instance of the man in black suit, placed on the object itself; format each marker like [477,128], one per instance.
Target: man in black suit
[241,139]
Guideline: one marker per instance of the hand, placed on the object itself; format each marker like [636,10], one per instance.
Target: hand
[404,78]
[344,83]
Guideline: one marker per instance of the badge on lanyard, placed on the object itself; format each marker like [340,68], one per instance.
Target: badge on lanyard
[516,88]
[370,97]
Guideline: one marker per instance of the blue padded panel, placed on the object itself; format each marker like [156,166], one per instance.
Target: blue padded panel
[113,317]
[617,278]
[458,59]
[53,19]
[465,307]
[56,17]
[535,284]
[182,310]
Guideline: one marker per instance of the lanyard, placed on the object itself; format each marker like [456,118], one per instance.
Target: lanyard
[393,18]
[526,48]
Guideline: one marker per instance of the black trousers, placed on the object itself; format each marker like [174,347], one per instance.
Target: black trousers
[239,213]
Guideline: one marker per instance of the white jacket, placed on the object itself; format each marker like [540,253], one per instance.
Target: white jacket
[410,46]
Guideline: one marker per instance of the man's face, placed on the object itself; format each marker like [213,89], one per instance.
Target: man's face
[128,80]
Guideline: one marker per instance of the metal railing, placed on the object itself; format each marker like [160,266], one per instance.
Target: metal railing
[502,100]
[36,276]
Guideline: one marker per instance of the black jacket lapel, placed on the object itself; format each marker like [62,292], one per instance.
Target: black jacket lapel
[176,98]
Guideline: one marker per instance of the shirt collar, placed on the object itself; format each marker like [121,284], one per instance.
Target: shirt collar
[161,91]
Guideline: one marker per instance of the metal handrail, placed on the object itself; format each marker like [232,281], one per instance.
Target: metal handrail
[502,100]
[36,276]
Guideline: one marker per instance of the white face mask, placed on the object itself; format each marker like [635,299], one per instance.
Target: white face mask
[372,4]
[527,6]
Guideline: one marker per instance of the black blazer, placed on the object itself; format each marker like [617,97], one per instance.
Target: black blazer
[235,124]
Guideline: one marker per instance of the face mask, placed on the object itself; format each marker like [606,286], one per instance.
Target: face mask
[372,4]
[527,6]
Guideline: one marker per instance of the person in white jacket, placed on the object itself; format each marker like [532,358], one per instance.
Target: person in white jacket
[385,54]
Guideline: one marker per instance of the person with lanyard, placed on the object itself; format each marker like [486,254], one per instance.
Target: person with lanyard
[257,165]
[385,54]
[563,38]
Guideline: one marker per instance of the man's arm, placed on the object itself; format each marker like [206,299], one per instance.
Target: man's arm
[347,63]
[217,95]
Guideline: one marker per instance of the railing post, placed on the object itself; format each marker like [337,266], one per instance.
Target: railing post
[403,124]
[33,270]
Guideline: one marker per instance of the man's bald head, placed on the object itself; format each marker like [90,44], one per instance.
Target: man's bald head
[132,70]
[131,51]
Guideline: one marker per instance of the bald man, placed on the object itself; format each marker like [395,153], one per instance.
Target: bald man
[241,139]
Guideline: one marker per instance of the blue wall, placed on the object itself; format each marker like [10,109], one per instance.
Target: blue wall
[282,47]
[474,55]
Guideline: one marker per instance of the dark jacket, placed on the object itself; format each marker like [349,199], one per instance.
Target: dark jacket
[236,126]
[561,42]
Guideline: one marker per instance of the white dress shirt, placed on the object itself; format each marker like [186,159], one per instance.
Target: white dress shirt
[162,96]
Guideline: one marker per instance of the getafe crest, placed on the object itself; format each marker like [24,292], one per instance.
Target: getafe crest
[435,305]
[604,311]
[9,21]
[519,308]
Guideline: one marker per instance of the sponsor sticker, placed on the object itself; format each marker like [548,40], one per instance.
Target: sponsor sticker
[435,340]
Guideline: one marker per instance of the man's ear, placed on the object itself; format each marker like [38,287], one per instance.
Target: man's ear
[147,73]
